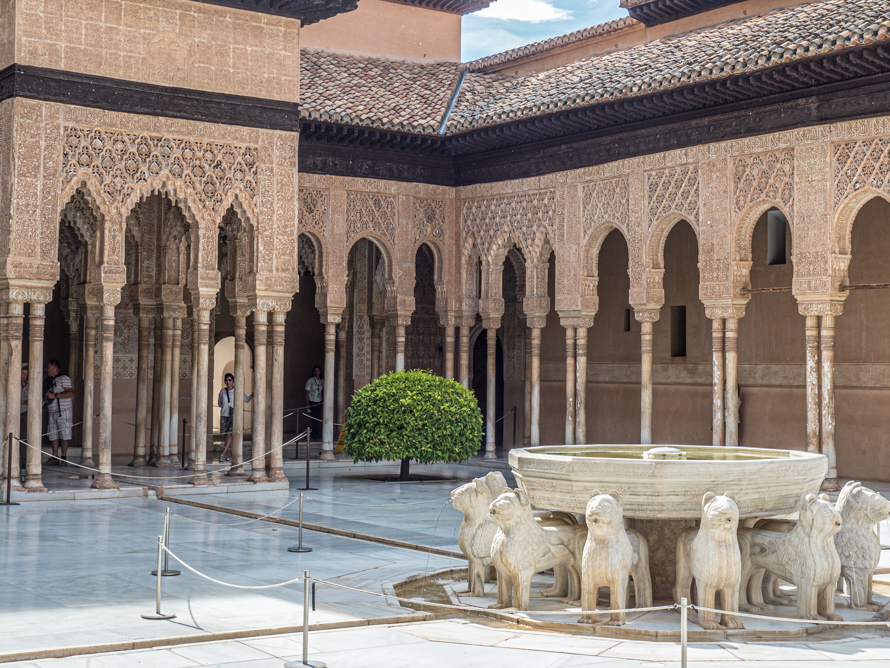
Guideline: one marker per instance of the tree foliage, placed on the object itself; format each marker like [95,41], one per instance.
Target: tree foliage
[415,415]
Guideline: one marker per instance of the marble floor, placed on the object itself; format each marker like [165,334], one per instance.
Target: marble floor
[75,574]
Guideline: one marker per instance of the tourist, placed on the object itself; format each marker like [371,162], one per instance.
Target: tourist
[59,405]
[226,401]
[314,399]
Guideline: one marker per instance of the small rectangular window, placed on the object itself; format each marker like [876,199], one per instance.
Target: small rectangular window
[627,320]
[678,331]
[776,251]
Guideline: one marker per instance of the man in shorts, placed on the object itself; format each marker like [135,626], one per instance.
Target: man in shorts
[59,405]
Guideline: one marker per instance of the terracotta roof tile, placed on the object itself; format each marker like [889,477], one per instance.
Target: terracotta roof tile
[730,49]
[375,92]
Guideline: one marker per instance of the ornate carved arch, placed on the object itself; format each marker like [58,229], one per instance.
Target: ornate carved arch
[382,245]
[743,230]
[594,243]
[310,251]
[657,238]
[846,216]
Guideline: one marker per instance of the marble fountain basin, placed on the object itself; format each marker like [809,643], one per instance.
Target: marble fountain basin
[763,482]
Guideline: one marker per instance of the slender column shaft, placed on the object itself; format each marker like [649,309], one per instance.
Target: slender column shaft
[195,398]
[4,371]
[330,354]
[581,385]
[828,444]
[260,383]
[570,386]
[464,355]
[15,320]
[156,385]
[174,390]
[400,347]
[731,343]
[276,461]
[33,474]
[202,351]
[646,336]
[375,353]
[166,395]
[535,438]
[103,480]
[528,387]
[449,352]
[718,433]
[140,439]
[89,387]
[812,362]
[491,392]
[341,373]
[269,358]
[238,407]
[73,359]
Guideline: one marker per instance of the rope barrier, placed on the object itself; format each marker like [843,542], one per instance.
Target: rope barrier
[793,620]
[233,524]
[383,505]
[229,584]
[311,417]
[162,478]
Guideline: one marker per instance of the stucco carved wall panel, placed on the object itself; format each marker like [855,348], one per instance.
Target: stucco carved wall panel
[371,212]
[527,219]
[673,191]
[604,202]
[314,209]
[858,165]
[429,219]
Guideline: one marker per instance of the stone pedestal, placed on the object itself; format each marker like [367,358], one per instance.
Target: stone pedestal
[662,536]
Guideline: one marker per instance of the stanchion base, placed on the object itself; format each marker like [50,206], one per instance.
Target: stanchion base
[158,616]
[300,664]
[166,574]
[308,489]
[299,549]
[11,503]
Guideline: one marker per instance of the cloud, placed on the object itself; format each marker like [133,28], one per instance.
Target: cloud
[529,11]
[482,42]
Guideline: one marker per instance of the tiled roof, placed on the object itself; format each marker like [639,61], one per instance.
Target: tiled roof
[734,48]
[450,6]
[543,46]
[375,92]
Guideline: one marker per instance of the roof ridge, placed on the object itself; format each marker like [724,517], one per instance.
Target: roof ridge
[549,44]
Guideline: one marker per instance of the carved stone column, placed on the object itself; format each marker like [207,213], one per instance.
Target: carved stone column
[163,456]
[156,384]
[139,450]
[14,317]
[647,319]
[536,324]
[89,384]
[731,344]
[581,381]
[570,386]
[4,371]
[203,304]
[73,352]
[260,383]
[330,355]
[812,374]
[449,347]
[276,462]
[528,387]
[111,298]
[464,352]
[176,353]
[828,446]
[33,474]
[400,322]
[376,362]
[491,331]
[718,435]
[240,311]
[195,398]
[341,370]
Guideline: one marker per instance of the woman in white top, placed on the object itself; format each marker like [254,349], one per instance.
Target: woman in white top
[315,399]
[226,402]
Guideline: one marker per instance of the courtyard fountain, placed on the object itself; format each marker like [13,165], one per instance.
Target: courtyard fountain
[658,509]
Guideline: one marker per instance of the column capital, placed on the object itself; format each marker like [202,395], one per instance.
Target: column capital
[240,307]
[536,321]
[821,306]
[718,310]
[647,313]
[400,318]
[448,319]
[577,320]
[331,316]
[98,294]
[22,293]
[145,309]
[274,303]
[174,310]
[202,304]
[534,306]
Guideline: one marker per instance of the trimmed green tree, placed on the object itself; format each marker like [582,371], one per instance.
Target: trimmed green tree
[415,415]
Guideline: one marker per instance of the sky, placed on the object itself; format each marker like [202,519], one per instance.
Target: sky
[507,24]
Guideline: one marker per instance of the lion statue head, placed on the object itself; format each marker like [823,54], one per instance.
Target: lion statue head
[719,514]
[604,513]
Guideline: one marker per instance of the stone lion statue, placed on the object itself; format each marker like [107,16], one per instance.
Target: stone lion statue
[522,547]
[710,555]
[612,556]
[857,543]
[806,556]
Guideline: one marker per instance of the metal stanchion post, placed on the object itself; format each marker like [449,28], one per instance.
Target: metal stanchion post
[684,611]
[307,487]
[306,663]
[9,501]
[158,614]
[185,449]
[166,572]
[300,548]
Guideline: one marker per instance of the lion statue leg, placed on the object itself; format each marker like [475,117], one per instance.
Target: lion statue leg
[729,600]
[825,604]
[505,591]
[707,599]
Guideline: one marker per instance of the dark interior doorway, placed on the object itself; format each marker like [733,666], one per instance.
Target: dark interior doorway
[480,355]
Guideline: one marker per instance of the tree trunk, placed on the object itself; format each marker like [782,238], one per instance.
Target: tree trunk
[403,474]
